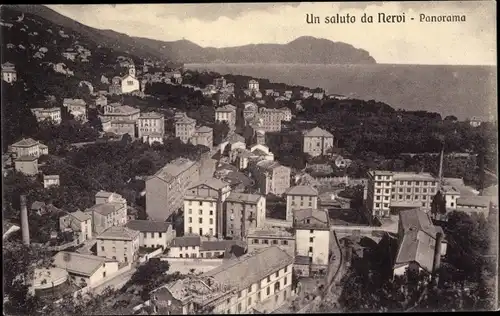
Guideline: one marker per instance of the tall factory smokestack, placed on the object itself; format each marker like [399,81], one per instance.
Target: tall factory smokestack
[24,221]
[436,263]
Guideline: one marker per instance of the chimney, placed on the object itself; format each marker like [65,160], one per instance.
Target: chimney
[24,221]
[436,263]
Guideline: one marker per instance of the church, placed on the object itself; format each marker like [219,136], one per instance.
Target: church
[125,84]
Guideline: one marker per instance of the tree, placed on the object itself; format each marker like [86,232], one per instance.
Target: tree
[438,204]
[220,130]
[451,118]
[150,271]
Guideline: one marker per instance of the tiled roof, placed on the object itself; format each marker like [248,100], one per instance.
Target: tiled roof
[412,176]
[74,101]
[186,241]
[37,205]
[204,129]
[81,216]
[302,190]
[268,164]
[253,266]
[51,177]
[25,142]
[236,138]
[320,215]
[173,169]
[185,120]
[226,108]
[78,263]
[317,132]
[118,232]
[219,245]
[244,197]
[149,226]
[212,182]
[476,201]
[26,159]
[151,115]
[106,208]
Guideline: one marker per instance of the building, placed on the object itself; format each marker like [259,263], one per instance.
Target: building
[250,111]
[28,147]
[203,135]
[185,127]
[312,237]
[475,122]
[271,177]
[125,84]
[118,112]
[150,124]
[52,115]
[387,190]
[474,204]
[165,190]
[50,180]
[220,83]
[196,247]
[203,207]
[118,243]
[270,119]
[266,285]
[243,212]
[253,85]
[234,141]
[418,243]
[110,209]
[9,73]
[287,114]
[264,238]
[226,113]
[27,165]
[101,101]
[451,194]
[86,270]
[153,234]
[78,222]
[317,142]
[77,108]
[300,197]
[122,127]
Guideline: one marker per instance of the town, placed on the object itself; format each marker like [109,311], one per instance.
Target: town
[158,190]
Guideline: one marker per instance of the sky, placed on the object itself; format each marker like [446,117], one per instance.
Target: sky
[472,42]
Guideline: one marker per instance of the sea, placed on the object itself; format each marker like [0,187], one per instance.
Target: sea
[463,91]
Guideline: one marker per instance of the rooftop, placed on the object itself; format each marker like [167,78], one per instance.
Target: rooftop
[220,245]
[268,164]
[302,190]
[475,201]
[78,263]
[317,132]
[319,215]
[118,233]
[106,208]
[81,216]
[185,120]
[244,197]
[26,142]
[26,159]
[151,115]
[173,169]
[74,102]
[204,129]
[51,177]
[211,182]
[269,233]
[186,241]
[236,138]
[149,226]
[226,108]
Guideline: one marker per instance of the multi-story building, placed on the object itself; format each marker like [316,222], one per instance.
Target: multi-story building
[271,177]
[253,85]
[117,112]
[317,142]
[300,197]
[271,119]
[243,212]
[122,127]
[387,190]
[50,180]
[287,114]
[250,111]
[27,165]
[52,115]
[185,127]
[312,237]
[9,73]
[28,147]
[203,207]
[153,234]
[78,222]
[196,247]
[203,135]
[166,189]
[474,204]
[110,209]
[118,243]
[150,125]
[266,286]
[419,241]
[264,238]
[220,83]
[77,108]
[226,113]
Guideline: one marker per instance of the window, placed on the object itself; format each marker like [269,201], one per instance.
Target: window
[266,241]
[256,241]
[284,281]
[308,221]
[311,239]
[249,301]
[284,242]
[201,231]
[286,269]
[310,203]
[189,203]
[152,235]
[239,307]
[200,220]
[102,248]
[181,255]
[159,235]
[211,212]
[201,203]
[190,211]
[312,231]
[190,229]
[417,190]
[258,296]
[268,290]
[452,204]
[200,212]
[400,182]
[377,204]
[310,249]
[268,279]
[386,190]
[408,197]
[190,220]
[275,242]
[211,221]
[277,273]
[240,294]
[378,190]
[114,249]
[408,190]
[130,82]
[228,301]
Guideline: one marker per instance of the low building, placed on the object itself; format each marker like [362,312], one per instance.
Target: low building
[317,142]
[185,128]
[419,241]
[28,147]
[226,113]
[264,238]
[52,115]
[77,108]
[474,204]
[27,165]
[243,212]
[151,125]
[185,247]
[9,73]
[196,247]
[87,269]
[118,243]
[78,222]
[300,197]
[271,177]
[266,286]
[110,210]
[153,234]
[312,237]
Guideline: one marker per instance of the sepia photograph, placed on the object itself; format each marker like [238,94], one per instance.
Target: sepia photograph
[249,158]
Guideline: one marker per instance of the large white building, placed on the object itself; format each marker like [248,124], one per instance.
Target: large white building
[300,197]
[153,234]
[9,73]
[51,114]
[388,190]
[151,127]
